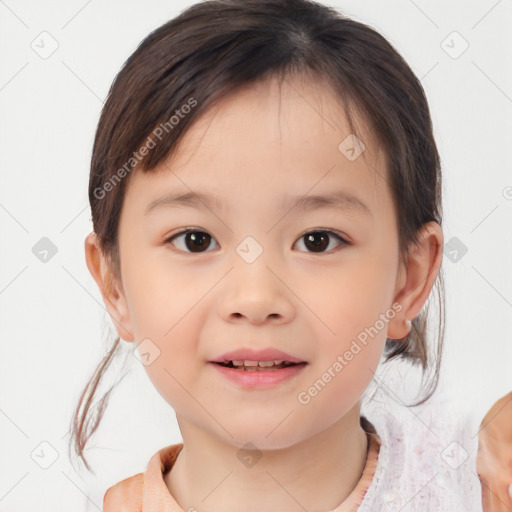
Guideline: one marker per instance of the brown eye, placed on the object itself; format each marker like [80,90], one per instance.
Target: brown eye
[196,241]
[318,241]
[193,241]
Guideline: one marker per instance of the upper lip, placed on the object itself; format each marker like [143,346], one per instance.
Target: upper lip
[248,354]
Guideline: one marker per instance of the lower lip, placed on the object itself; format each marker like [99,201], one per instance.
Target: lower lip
[259,379]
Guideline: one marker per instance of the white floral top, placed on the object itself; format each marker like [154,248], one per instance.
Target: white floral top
[427,460]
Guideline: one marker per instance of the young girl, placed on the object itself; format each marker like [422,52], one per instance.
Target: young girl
[266,199]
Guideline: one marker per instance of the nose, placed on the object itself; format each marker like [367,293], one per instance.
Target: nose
[255,293]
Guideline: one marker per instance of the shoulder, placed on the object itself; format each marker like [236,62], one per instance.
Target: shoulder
[125,496]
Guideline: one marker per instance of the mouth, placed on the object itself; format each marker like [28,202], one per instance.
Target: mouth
[258,366]
[259,373]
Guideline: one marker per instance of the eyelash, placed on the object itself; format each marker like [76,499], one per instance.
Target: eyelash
[343,242]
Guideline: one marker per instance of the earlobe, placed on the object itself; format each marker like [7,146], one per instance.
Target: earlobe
[111,290]
[424,262]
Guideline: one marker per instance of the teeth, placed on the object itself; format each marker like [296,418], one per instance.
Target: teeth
[248,365]
[268,363]
[257,363]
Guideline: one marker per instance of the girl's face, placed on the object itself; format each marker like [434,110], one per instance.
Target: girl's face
[251,278]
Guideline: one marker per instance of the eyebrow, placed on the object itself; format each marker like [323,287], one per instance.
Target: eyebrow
[338,200]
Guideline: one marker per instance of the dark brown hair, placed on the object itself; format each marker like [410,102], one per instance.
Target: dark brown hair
[215,48]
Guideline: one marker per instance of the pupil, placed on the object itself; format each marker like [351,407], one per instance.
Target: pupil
[197,239]
[316,243]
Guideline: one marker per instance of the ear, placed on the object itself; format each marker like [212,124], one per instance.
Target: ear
[415,281]
[111,288]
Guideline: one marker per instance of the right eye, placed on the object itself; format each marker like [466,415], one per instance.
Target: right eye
[194,240]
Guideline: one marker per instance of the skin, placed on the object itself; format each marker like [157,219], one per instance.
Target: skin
[252,150]
[494,458]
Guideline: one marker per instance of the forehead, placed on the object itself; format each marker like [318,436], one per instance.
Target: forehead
[288,138]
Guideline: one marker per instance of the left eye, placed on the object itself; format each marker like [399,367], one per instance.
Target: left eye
[317,239]
[195,240]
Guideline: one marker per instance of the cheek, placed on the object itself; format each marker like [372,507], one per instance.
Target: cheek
[159,295]
[166,313]
[338,383]
[176,364]
[349,300]
[355,311]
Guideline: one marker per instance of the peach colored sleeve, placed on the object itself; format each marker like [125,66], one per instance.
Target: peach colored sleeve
[125,496]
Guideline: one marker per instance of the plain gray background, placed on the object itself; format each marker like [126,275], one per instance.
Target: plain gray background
[54,327]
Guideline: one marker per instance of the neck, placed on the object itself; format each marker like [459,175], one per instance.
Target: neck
[317,473]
